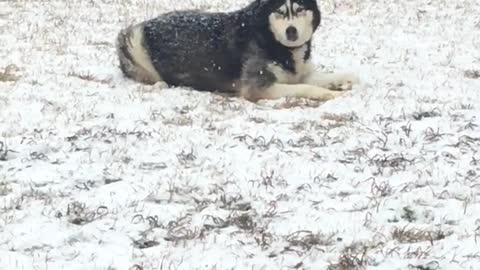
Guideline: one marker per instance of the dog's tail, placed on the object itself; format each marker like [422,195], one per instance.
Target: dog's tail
[135,61]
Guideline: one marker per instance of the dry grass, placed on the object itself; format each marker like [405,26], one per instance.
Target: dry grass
[307,239]
[353,257]
[89,77]
[426,114]
[294,102]
[3,151]
[408,214]
[339,119]
[404,235]
[8,73]
[394,162]
[78,214]
[5,189]
[472,74]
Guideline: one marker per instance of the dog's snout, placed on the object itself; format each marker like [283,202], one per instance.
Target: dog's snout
[292,33]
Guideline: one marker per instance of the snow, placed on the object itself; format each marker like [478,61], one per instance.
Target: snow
[99,172]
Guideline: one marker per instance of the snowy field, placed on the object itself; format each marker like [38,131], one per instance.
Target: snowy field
[99,172]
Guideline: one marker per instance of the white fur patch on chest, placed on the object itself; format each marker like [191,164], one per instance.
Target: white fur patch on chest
[302,68]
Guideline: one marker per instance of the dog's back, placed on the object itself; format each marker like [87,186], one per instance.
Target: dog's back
[188,48]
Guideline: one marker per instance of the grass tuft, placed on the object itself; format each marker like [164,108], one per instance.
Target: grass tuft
[404,235]
[8,73]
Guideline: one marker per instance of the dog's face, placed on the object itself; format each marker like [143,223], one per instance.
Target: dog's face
[293,22]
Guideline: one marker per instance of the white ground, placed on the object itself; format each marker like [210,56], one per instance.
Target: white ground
[99,172]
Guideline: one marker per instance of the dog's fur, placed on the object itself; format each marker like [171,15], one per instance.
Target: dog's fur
[261,51]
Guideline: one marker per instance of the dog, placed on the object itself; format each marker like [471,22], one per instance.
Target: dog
[261,51]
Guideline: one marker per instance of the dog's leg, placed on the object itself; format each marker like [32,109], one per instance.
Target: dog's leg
[262,82]
[279,90]
[333,81]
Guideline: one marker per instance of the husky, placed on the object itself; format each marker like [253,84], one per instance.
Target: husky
[261,51]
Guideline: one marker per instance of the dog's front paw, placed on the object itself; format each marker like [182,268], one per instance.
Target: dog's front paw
[332,95]
[343,81]
[320,93]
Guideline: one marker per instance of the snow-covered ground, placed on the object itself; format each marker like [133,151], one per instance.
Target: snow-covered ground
[99,172]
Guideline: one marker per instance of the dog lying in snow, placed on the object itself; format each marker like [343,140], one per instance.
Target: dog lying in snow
[261,51]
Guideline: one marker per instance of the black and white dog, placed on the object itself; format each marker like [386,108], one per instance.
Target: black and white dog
[261,51]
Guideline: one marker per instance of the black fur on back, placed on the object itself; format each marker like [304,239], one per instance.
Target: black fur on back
[211,51]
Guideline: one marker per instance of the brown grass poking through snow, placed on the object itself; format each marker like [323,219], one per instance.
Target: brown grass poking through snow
[472,74]
[89,77]
[353,257]
[405,235]
[7,74]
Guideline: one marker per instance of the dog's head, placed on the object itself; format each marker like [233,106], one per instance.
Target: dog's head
[292,22]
